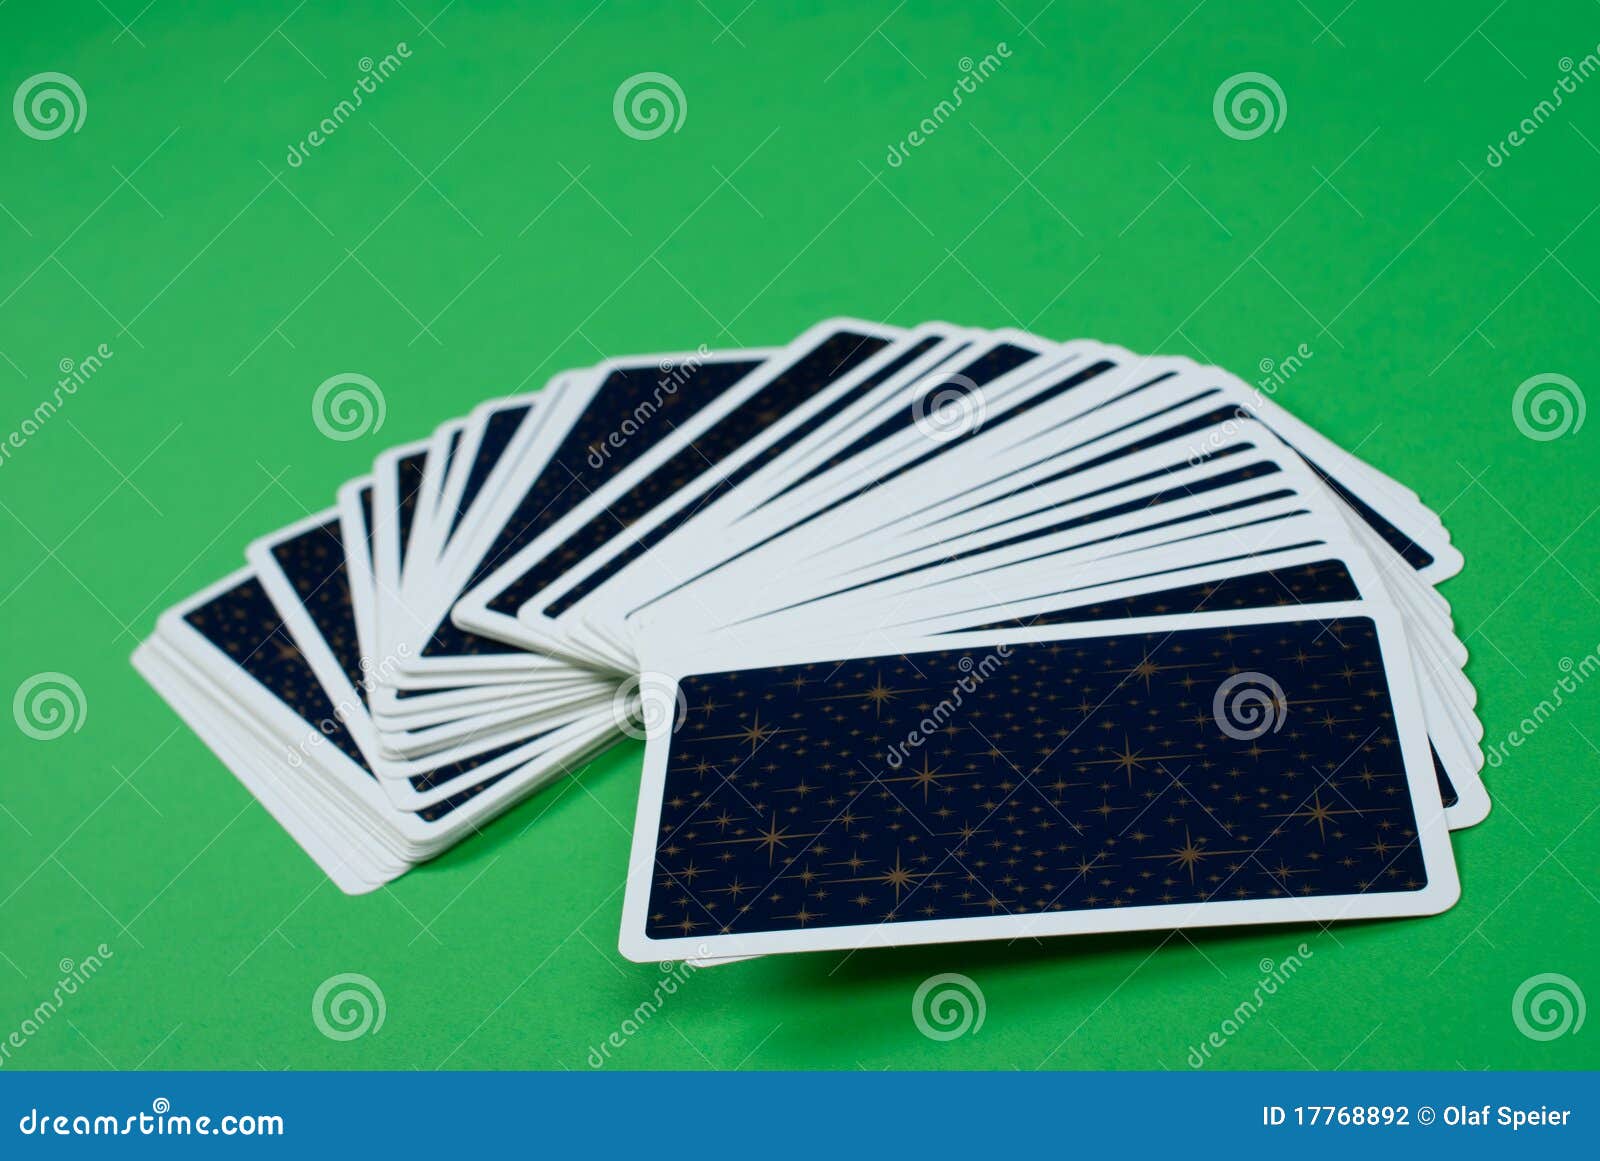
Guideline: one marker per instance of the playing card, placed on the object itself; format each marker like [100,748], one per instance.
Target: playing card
[932,633]
[1030,782]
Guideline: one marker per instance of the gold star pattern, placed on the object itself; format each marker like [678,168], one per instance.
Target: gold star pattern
[1096,777]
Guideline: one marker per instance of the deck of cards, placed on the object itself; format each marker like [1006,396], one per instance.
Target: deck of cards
[931,635]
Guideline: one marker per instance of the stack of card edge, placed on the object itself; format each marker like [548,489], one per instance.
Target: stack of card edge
[759,562]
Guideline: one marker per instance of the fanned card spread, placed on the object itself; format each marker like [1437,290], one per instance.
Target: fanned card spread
[931,635]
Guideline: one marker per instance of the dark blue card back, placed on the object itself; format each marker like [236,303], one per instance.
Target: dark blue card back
[1071,775]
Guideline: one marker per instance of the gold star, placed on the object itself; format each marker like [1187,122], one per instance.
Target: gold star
[877,695]
[1190,853]
[772,838]
[927,777]
[898,876]
[1147,669]
[755,734]
[1318,813]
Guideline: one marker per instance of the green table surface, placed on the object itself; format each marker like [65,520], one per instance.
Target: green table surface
[481,222]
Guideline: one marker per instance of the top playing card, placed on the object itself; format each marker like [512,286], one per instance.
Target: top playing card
[1264,763]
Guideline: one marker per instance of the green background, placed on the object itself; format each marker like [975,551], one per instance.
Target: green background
[482,223]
